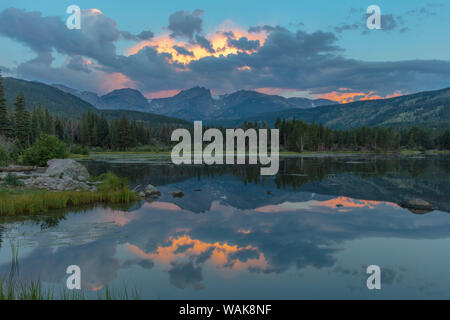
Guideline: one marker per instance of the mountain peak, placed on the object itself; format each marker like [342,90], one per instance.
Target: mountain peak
[125,98]
[128,91]
[195,92]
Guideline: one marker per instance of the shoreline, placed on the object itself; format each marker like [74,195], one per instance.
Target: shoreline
[282,153]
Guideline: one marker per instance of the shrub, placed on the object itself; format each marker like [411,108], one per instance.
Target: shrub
[77,149]
[12,179]
[46,147]
[5,159]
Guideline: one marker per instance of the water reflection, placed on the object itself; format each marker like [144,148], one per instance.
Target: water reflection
[233,239]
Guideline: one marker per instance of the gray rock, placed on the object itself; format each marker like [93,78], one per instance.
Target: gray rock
[61,175]
[67,168]
[417,204]
[56,184]
[151,191]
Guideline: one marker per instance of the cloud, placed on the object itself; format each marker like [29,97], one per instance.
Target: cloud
[185,24]
[183,51]
[186,275]
[242,43]
[146,35]
[43,34]
[77,63]
[346,27]
[264,57]
[204,43]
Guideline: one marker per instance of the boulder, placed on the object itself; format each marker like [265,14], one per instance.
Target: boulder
[417,204]
[56,184]
[67,168]
[151,191]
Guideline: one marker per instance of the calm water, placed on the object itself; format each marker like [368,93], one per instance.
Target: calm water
[309,232]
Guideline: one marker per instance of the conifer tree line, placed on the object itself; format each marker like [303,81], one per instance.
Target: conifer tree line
[24,127]
[298,136]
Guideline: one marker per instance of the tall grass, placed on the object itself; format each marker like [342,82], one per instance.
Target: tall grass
[11,288]
[112,190]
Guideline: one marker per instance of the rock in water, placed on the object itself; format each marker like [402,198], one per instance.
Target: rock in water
[151,191]
[67,168]
[178,194]
[417,204]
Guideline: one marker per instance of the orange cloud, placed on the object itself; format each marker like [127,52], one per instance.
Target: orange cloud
[219,42]
[346,97]
[243,68]
[344,203]
[94,10]
[161,94]
[114,81]
[352,203]
[162,206]
[219,257]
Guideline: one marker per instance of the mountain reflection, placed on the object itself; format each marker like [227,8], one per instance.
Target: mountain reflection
[231,240]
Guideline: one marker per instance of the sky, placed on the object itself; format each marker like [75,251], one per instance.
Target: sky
[315,49]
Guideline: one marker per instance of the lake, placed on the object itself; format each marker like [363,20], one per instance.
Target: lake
[307,233]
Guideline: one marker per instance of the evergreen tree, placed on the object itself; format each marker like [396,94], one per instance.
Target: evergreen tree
[23,122]
[5,124]
[103,131]
[124,139]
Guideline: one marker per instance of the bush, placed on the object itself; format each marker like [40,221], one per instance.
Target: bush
[5,159]
[46,148]
[12,179]
[77,149]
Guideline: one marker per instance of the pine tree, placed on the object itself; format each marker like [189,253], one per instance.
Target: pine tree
[103,131]
[35,129]
[23,122]
[124,134]
[5,124]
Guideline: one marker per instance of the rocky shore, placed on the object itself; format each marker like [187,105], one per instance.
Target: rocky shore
[63,175]
[60,175]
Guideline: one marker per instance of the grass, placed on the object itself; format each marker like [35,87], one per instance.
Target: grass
[111,190]
[12,288]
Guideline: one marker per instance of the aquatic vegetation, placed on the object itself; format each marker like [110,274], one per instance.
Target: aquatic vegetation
[13,288]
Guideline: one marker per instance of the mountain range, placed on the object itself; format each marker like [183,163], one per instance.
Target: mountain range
[430,108]
[70,106]
[196,103]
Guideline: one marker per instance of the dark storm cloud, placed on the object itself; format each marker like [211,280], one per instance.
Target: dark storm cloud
[243,43]
[204,43]
[185,24]
[183,51]
[146,35]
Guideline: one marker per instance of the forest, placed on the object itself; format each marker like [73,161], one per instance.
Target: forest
[20,128]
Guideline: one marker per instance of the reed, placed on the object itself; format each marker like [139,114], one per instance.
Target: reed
[12,288]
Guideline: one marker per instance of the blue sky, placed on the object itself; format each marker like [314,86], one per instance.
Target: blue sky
[418,30]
